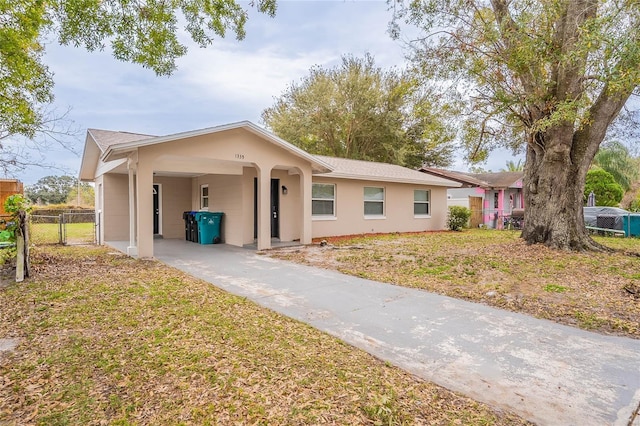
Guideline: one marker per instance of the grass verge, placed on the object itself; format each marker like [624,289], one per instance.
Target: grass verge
[106,339]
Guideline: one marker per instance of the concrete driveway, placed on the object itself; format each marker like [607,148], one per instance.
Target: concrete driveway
[548,373]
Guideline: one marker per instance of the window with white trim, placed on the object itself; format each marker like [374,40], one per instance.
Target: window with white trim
[204,197]
[421,202]
[373,201]
[323,200]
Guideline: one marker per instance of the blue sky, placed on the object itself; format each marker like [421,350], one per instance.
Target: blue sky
[226,82]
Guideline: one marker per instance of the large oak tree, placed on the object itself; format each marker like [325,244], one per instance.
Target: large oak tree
[549,74]
[360,111]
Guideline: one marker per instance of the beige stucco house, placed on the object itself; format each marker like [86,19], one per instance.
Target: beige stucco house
[267,188]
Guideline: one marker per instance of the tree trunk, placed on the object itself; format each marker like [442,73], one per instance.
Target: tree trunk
[553,189]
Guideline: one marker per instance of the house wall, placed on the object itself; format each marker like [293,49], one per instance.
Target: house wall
[176,198]
[115,207]
[398,207]
[226,196]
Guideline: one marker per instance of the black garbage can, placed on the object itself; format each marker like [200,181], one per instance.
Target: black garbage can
[187,229]
[193,226]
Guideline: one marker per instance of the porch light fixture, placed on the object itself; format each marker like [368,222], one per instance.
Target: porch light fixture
[284,190]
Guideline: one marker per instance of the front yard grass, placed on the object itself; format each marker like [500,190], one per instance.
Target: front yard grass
[585,290]
[106,339]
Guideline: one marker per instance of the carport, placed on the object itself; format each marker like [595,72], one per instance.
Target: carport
[260,182]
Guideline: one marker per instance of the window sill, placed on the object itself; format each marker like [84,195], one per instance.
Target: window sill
[323,218]
[422,216]
[377,217]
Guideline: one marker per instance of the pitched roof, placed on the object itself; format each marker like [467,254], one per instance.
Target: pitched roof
[499,179]
[465,179]
[113,143]
[369,170]
[107,138]
[482,180]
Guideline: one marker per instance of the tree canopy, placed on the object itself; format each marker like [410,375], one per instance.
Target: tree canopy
[52,189]
[360,111]
[144,32]
[615,158]
[548,76]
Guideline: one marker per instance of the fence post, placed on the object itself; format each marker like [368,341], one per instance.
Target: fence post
[60,219]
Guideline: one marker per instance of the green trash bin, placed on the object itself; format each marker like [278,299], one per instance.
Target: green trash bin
[631,225]
[209,227]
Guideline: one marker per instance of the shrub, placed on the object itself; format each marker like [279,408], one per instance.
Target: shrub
[607,191]
[458,218]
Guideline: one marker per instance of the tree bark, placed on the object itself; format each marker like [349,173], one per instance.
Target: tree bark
[553,191]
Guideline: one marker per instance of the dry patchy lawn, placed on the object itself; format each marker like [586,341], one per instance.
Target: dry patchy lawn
[106,339]
[586,290]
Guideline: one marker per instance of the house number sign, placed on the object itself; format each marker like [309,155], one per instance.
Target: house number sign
[239,156]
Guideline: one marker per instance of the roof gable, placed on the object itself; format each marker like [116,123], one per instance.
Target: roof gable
[107,138]
[107,145]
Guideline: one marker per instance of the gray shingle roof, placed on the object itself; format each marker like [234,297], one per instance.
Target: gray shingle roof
[466,179]
[482,180]
[369,170]
[342,167]
[499,179]
[107,138]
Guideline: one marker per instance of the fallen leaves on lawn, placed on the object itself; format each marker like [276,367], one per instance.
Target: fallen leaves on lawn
[106,339]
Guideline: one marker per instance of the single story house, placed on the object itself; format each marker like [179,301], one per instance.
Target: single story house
[266,187]
[491,197]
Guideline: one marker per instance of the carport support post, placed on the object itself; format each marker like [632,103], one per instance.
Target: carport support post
[144,207]
[264,208]
[132,249]
[305,196]
[501,211]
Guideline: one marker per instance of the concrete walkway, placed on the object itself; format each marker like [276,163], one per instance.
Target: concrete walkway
[548,373]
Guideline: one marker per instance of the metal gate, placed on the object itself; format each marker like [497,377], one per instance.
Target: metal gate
[78,228]
[66,228]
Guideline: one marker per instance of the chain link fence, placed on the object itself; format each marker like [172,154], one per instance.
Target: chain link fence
[70,227]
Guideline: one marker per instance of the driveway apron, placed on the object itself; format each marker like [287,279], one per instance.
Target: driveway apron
[546,372]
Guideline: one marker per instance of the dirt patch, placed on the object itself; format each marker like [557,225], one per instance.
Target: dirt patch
[7,345]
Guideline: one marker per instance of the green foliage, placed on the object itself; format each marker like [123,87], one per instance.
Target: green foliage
[458,218]
[607,191]
[555,288]
[614,157]
[359,111]
[16,203]
[51,189]
[635,204]
[143,32]
[13,205]
[26,83]
[86,198]
[512,166]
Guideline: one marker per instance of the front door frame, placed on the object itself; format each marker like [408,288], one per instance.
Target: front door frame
[274,209]
[157,209]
